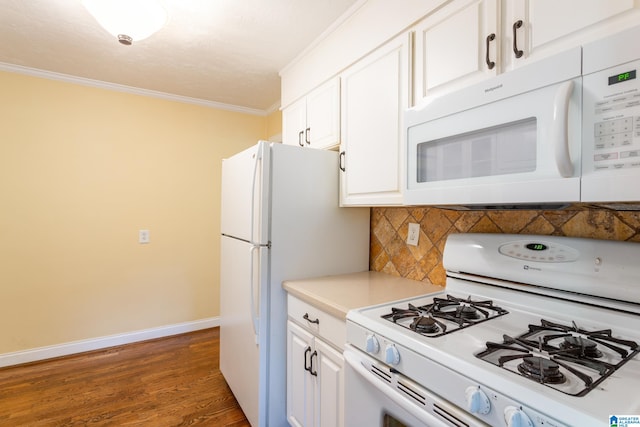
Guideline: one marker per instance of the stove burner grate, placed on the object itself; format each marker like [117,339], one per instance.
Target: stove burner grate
[550,353]
[444,315]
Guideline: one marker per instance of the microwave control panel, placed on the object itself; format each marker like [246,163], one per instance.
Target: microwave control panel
[611,134]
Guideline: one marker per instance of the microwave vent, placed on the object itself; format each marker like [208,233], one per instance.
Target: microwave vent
[509,207]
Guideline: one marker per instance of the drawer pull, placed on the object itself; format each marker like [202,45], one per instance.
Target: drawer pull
[306,317]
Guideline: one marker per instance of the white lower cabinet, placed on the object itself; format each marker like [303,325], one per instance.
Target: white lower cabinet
[330,386]
[300,381]
[315,377]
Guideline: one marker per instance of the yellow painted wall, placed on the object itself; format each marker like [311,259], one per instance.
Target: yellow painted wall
[82,170]
[274,124]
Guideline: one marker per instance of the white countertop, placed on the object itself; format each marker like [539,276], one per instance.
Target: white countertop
[336,295]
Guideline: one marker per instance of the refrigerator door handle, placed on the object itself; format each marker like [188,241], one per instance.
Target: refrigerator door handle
[258,159]
[254,314]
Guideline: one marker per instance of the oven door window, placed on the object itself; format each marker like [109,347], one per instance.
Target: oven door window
[390,421]
[505,149]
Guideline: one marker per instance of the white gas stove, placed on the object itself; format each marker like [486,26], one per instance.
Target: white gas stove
[530,331]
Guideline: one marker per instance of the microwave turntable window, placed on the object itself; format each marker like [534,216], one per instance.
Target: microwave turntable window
[505,149]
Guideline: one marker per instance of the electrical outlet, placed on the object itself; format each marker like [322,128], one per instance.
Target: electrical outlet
[414,234]
[143,236]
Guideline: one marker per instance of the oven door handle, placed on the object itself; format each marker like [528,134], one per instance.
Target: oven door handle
[353,361]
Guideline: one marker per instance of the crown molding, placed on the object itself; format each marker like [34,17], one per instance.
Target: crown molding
[34,72]
[275,107]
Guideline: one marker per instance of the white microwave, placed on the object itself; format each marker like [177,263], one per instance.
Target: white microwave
[611,121]
[512,140]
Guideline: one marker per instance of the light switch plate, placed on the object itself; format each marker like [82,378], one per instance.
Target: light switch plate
[143,236]
[414,234]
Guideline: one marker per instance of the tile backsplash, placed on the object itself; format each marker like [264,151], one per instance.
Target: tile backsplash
[390,253]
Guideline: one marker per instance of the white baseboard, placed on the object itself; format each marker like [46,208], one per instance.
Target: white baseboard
[65,349]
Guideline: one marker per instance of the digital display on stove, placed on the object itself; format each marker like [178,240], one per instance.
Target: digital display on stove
[537,246]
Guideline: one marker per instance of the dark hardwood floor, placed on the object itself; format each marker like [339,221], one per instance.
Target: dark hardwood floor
[172,381]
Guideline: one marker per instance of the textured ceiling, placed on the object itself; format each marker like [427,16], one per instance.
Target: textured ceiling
[222,51]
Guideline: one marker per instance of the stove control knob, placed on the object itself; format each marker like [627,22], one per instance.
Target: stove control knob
[477,401]
[515,417]
[391,355]
[373,346]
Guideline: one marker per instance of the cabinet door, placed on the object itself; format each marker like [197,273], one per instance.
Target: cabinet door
[300,383]
[552,26]
[294,123]
[314,121]
[330,389]
[456,46]
[375,92]
[323,116]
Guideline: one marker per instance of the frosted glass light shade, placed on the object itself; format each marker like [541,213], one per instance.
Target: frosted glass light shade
[137,19]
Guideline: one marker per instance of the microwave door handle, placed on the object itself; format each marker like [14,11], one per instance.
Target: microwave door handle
[560,130]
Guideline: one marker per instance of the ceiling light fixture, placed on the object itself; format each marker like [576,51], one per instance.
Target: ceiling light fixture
[128,20]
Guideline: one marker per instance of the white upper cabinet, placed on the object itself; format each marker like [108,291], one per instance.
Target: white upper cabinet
[314,120]
[466,41]
[378,61]
[375,93]
[294,123]
[456,46]
[542,28]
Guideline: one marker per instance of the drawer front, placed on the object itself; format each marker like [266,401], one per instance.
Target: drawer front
[318,322]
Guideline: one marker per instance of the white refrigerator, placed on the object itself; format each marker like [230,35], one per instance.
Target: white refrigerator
[280,220]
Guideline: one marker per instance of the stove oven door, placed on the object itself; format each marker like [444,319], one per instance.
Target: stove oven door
[377,396]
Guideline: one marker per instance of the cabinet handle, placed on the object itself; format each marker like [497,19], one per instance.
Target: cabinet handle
[491,37]
[300,138]
[341,161]
[306,317]
[306,136]
[516,51]
[307,366]
[311,371]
